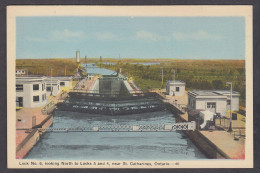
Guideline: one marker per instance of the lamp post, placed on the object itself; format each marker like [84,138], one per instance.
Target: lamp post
[230,115]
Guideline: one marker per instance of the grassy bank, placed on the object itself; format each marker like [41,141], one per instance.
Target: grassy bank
[197,74]
[43,66]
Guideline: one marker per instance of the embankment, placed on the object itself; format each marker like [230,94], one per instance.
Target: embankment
[203,143]
[31,139]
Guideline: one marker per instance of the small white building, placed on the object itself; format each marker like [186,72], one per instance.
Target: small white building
[20,72]
[65,81]
[53,87]
[214,101]
[175,88]
[235,99]
[30,91]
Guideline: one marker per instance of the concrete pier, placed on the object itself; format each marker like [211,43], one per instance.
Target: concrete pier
[216,144]
[29,119]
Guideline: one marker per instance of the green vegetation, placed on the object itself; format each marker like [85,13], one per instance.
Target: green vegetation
[198,74]
[44,66]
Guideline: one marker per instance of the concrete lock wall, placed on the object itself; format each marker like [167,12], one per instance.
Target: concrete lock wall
[112,86]
[28,143]
[204,144]
[127,85]
[96,87]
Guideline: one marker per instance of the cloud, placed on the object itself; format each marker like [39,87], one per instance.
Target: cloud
[199,35]
[57,35]
[145,35]
[106,36]
[66,34]
[35,39]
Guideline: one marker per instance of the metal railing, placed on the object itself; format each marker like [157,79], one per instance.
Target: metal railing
[223,123]
[48,108]
[127,128]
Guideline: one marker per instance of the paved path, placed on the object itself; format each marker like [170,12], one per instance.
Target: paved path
[235,149]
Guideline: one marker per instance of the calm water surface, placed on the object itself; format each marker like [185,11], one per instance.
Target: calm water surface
[113,145]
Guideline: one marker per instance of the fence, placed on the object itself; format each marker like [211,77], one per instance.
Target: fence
[63,96]
[223,123]
[48,108]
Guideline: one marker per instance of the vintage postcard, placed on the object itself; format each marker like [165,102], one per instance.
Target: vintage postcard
[130,86]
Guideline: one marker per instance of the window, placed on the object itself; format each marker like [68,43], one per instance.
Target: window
[177,89]
[211,105]
[62,83]
[35,87]
[43,97]
[19,101]
[228,102]
[19,87]
[48,88]
[36,98]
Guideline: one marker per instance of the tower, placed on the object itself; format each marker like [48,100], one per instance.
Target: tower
[100,61]
[78,56]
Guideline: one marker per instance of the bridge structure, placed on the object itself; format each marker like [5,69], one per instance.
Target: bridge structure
[127,128]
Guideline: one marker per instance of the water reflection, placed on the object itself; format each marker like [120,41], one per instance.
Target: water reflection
[114,145]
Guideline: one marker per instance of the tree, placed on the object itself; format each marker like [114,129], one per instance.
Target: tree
[217,84]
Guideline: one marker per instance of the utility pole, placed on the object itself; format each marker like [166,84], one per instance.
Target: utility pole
[100,61]
[173,83]
[230,114]
[162,78]
[51,82]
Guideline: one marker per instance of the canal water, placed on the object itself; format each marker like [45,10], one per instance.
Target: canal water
[113,145]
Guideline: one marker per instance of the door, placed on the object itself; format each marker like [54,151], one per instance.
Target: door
[19,101]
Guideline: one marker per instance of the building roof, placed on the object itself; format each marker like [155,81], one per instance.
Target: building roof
[30,78]
[226,92]
[50,81]
[61,78]
[175,82]
[212,93]
[204,93]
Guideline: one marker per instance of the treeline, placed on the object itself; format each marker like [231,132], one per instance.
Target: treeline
[44,66]
[197,74]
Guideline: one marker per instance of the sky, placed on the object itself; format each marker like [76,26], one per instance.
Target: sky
[131,37]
